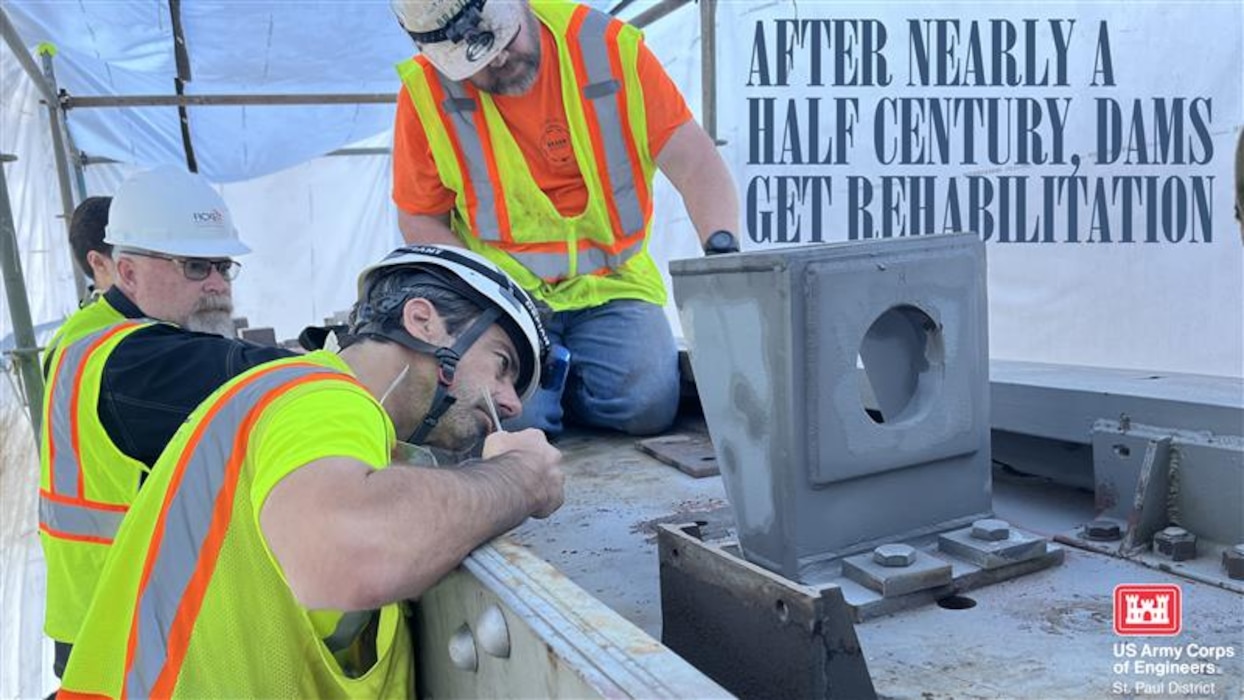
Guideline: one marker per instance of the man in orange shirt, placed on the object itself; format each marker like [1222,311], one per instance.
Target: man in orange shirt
[531,135]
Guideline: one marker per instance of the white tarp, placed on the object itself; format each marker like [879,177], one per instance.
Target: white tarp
[314,221]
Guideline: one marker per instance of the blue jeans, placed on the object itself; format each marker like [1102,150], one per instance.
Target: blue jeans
[623,371]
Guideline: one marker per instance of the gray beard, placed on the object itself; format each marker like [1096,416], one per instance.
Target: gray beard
[215,321]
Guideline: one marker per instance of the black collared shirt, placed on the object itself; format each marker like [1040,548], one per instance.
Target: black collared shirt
[157,375]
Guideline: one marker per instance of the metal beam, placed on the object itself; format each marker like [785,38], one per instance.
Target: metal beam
[76,102]
[708,66]
[180,53]
[25,351]
[60,150]
[622,5]
[18,47]
[367,151]
[656,12]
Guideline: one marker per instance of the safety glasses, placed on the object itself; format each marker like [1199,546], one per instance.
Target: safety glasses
[197,269]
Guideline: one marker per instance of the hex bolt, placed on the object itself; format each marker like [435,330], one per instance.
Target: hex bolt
[895,555]
[991,530]
[1102,531]
[1176,543]
[1233,562]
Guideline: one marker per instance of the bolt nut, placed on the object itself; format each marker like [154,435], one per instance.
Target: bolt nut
[1233,562]
[895,555]
[1176,543]
[1102,531]
[991,530]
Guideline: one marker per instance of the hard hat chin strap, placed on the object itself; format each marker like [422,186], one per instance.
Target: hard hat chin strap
[447,359]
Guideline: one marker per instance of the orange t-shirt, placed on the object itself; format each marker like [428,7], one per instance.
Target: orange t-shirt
[538,123]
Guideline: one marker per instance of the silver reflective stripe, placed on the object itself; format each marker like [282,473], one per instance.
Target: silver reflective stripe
[64,458]
[188,520]
[348,628]
[547,266]
[461,110]
[602,90]
[552,266]
[594,259]
[79,520]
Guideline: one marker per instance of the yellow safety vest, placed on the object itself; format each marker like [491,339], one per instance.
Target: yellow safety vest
[191,604]
[568,262]
[86,483]
[97,314]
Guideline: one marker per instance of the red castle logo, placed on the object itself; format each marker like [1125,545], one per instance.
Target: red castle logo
[1148,609]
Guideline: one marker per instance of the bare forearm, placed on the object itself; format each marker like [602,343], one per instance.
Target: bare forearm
[444,515]
[349,537]
[427,229]
[691,161]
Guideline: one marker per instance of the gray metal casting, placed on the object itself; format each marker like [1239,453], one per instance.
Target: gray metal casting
[811,448]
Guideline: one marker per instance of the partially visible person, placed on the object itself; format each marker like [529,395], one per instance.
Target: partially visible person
[532,134]
[86,238]
[120,385]
[94,257]
[269,549]
[1239,183]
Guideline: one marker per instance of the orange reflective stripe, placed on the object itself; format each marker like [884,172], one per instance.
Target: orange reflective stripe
[64,694]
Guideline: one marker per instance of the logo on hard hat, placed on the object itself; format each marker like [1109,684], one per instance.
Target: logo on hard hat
[214,216]
[478,45]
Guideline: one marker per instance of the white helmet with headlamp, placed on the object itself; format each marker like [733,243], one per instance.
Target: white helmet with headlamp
[473,277]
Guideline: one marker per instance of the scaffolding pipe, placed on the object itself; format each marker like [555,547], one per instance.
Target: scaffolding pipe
[708,66]
[656,12]
[60,149]
[25,352]
[358,151]
[76,102]
[18,47]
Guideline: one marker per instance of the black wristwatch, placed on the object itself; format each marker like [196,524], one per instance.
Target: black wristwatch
[721,242]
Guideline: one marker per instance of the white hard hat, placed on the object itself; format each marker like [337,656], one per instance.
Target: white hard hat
[168,210]
[478,279]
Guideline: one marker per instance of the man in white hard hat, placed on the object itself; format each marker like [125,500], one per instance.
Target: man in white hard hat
[173,242]
[111,407]
[531,133]
[269,551]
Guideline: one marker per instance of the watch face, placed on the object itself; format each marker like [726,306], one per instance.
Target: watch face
[722,240]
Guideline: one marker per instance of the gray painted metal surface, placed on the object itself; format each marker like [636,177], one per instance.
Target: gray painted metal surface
[758,634]
[1168,499]
[808,469]
[507,624]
